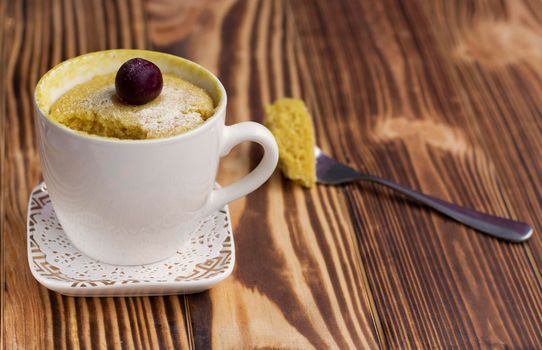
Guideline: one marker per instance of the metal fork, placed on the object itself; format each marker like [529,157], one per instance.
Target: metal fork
[331,172]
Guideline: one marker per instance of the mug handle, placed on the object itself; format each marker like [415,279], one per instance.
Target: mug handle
[232,136]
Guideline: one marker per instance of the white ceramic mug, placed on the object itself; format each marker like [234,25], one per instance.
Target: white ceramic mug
[135,201]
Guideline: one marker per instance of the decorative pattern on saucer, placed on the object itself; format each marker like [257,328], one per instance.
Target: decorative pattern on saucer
[56,263]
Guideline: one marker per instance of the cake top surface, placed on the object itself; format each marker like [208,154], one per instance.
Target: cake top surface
[94,107]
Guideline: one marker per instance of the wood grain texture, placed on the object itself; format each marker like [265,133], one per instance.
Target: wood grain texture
[38,35]
[443,96]
[3,45]
[298,282]
[406,109]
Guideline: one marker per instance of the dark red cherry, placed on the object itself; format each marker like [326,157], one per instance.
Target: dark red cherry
[138,81]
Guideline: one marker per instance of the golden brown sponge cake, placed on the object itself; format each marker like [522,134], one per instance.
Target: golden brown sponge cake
[94,108]
[291,124]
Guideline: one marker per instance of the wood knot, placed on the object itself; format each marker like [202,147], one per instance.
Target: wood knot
[171,21]
[413,131]
[495,43]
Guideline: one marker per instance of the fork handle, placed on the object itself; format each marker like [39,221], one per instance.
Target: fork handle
[515,231]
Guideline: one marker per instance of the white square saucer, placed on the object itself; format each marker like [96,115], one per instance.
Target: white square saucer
[204,261]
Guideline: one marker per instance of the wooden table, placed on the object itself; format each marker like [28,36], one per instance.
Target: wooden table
[444,96]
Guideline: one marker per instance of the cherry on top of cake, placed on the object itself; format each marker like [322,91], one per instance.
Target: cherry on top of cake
[138,102]
[138,81]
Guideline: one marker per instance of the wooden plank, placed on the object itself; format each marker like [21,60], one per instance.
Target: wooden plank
[4,30]
[391,101]
[298,282]
[38,35]
[502,84]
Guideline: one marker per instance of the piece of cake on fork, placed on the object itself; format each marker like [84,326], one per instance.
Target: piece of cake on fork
[290,122]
